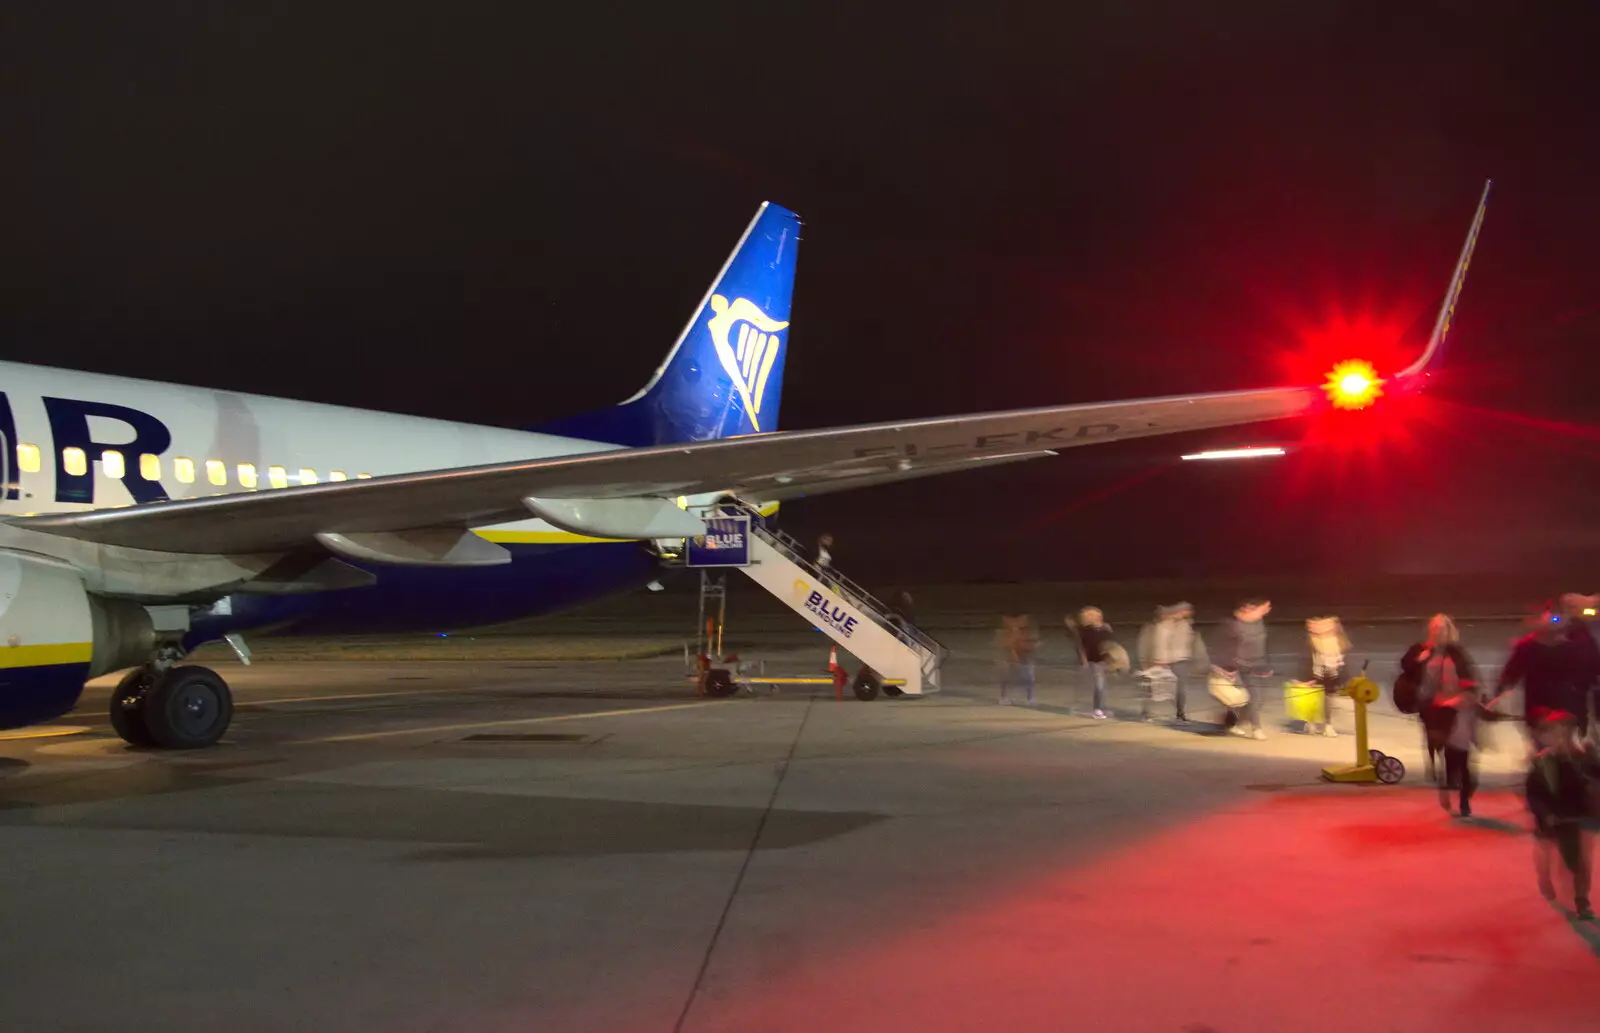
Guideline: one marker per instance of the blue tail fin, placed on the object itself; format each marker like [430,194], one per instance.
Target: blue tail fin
[724,376]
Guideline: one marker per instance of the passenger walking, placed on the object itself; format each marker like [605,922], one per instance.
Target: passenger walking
[902,615]
[1455,711]
[1423,667]
[1019,643]
[824,560]
[1583,626]
[1327,650]
[1243,660]
[1095,639]
[1168,649]
[1557,670]
[824,554]
[1559,792]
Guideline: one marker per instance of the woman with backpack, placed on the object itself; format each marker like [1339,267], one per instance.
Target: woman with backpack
[1438,662]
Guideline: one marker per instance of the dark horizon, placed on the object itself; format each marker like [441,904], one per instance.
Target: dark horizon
[503,216]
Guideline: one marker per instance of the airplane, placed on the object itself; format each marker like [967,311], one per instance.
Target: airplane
[140,520]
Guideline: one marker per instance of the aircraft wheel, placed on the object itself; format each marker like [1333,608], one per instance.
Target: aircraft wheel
[866,685]
[188,708]
[127,708]
[1390,770]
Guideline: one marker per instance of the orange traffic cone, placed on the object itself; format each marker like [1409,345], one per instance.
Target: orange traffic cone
[840,675]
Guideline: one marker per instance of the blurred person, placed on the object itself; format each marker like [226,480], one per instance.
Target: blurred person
[1557,670]
[1168,647]
[1426,664]
[1327,651]
[1559,791]
[1242,658]
[1019,642]
[1584,627]
[1094,637]
[1455,710]
[1580,611]
[901,616]
[823,557]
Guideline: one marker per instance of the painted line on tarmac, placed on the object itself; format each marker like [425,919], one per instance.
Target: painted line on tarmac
[440,690]
[41,732]
[548,719]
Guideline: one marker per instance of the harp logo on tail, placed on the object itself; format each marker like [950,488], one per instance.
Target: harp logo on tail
[749,352]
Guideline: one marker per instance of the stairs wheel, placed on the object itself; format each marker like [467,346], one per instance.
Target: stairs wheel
[718,684]
[866,686]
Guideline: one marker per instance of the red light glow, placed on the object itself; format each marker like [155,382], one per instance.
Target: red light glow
[1353,384]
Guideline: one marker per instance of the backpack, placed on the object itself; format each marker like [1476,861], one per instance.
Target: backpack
[1407,693]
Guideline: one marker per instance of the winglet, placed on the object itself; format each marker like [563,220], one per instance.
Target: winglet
[1431,356]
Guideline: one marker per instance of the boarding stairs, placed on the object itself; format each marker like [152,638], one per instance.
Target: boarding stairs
[900,657]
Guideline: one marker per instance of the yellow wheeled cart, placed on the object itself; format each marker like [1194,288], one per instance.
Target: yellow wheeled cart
[1370,765]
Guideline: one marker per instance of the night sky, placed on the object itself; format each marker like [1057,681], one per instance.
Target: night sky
[504,213]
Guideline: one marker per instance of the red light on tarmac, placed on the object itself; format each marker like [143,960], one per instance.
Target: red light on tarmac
[1353,384]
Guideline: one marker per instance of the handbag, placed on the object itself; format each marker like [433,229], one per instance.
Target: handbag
[1226,689]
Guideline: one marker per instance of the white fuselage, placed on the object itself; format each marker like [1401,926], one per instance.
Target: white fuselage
[223,442]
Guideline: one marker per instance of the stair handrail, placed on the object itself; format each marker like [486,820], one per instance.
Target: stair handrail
[795,552]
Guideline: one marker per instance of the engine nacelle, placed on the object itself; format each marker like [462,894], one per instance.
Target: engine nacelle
[124,635]
[46,638]
[54,636]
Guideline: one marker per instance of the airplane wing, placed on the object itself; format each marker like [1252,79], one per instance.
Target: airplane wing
[628,492]
[772,465]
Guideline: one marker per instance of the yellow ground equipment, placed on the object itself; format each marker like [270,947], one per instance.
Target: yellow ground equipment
[1370,765]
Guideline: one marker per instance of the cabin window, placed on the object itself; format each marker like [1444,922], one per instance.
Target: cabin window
[247,475]
[216,471]
[308,476]
[111,462]
[74,461]
[183,469]
[150,466]
[363,477]
[337,475]
[278,477]
[28,458]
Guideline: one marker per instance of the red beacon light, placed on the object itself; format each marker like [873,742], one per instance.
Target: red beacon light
[1353,384]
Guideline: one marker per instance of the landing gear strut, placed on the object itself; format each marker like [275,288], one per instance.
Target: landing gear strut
[178,708]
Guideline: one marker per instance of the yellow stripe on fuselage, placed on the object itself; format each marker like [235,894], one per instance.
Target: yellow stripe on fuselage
[553,537]
[45,655]
[539,537]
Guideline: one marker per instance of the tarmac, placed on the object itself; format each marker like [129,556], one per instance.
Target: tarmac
[499,846]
